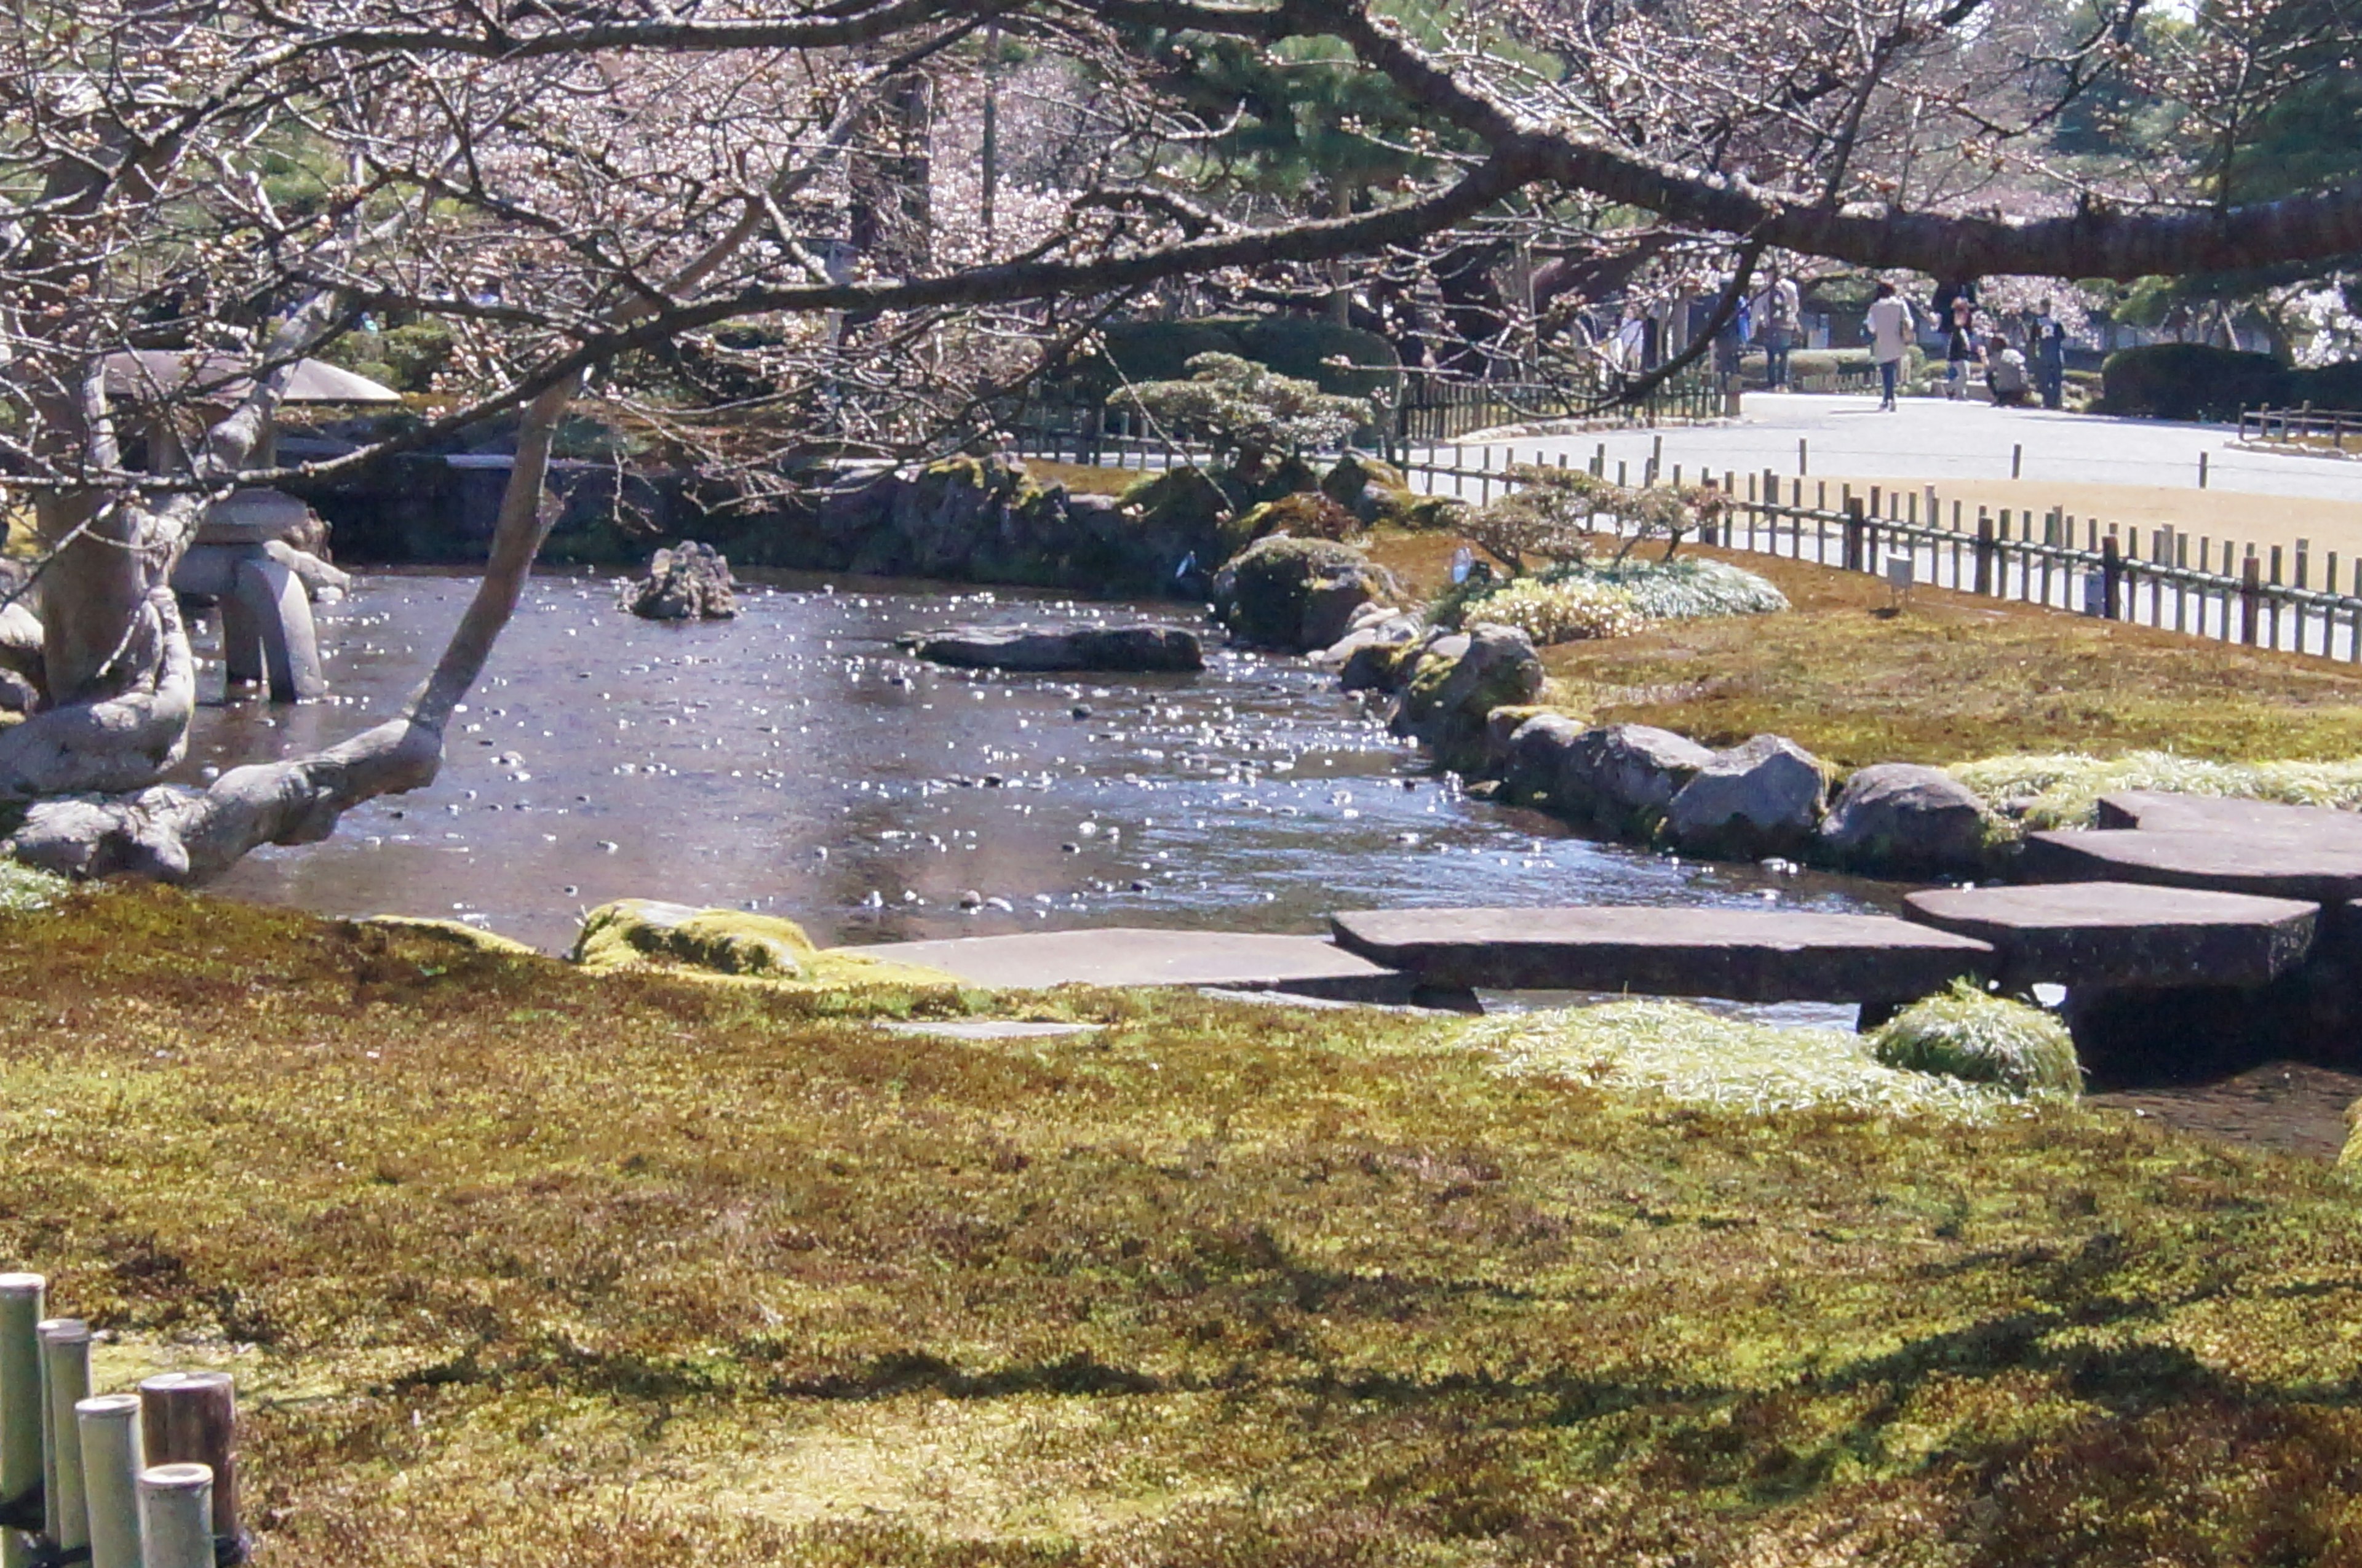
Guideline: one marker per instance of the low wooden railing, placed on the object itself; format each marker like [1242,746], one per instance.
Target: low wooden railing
[2259,598]
[2301,427]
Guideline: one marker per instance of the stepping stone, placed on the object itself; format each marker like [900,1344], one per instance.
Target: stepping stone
[991,1028]
[2270,865]
[2160,811]
[1738,955]
[1042,649]
[1131,955]
[2125,935]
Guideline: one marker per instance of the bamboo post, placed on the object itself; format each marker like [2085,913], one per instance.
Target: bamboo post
[2275,598]
[2202,470]
[111,1463]
[176,1509]
[1853,534]
[65,1382]
[190,1418]
[2112,575]
[21,1298]
[1985,552]
[2251,593]
[2017,460]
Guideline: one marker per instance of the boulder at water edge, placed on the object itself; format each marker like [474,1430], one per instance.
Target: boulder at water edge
[1898,819]
[1373,625]
[1457,680]
[1619,778]
[689,581]
[1763,798]
[1113,650]
[637,933]
[1297,595]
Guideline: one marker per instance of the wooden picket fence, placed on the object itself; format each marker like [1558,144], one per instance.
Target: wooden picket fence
[2170,579]
[141,1480]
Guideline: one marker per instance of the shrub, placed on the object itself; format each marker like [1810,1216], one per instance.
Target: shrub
[1966,1035]
[1569,610]
[1248,412]
[2189,380]
[1551,513]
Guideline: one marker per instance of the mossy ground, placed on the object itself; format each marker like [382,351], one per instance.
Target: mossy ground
[1947,679]
[524,1265]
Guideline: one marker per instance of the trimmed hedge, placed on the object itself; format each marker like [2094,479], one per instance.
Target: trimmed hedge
[2198,381]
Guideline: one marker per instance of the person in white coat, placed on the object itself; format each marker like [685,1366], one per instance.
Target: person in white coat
[1892,329]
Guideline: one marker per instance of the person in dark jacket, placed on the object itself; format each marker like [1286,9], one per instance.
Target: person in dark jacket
[1960,350]
[2047,356]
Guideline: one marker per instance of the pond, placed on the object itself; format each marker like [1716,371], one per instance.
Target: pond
[794,761]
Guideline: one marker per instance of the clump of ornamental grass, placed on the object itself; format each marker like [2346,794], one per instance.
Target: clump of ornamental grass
[2062,790]
[1978,1038]
[1559,612]
[1695,1058]
[1690,588]
[23,889]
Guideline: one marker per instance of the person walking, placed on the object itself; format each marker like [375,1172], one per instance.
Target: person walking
[2049,356]
[1960,350]
[1892,326]
[1781,310]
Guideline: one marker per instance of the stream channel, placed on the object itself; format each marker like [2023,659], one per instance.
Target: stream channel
[794,761]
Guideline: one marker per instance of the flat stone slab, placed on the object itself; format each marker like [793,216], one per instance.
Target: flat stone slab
[2124,933]
[991,1028]
[1116,650]
[2268,865]
[1133,955]
[1740,954]
[2158,810]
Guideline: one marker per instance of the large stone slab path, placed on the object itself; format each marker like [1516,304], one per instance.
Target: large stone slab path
[2273,864]
[2122,934]
[1133,955]
[1738,955]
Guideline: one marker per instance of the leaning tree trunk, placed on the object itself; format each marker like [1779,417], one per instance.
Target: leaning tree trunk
[176,834]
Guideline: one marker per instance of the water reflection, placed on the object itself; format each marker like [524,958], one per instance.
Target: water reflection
[794,761]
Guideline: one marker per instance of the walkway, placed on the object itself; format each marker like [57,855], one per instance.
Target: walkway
[1928,439]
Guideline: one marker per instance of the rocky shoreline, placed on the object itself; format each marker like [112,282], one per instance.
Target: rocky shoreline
[1469,696]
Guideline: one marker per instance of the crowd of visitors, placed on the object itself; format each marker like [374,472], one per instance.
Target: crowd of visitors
[1771,318]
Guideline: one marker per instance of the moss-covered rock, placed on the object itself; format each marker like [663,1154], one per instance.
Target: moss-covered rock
[455,931]
[1457,680]
[1378,494]
[1304,514]
[1183,501]
[633,933]
[1298,594]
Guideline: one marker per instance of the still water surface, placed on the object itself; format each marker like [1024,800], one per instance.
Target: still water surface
[794,761]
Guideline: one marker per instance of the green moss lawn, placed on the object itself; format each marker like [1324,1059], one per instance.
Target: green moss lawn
[523,1265]
[1948,678]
